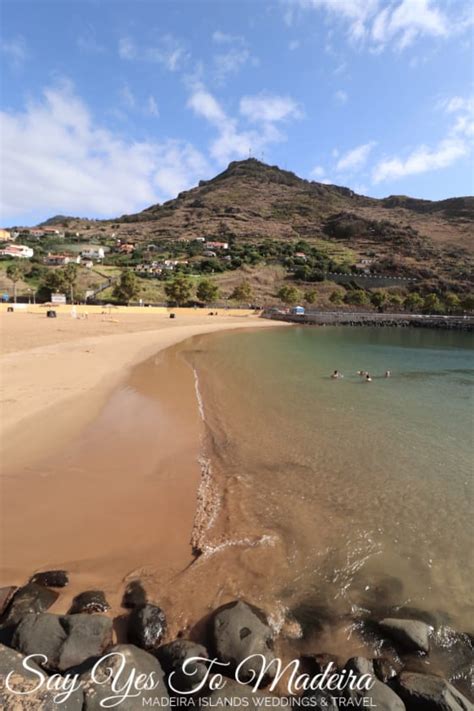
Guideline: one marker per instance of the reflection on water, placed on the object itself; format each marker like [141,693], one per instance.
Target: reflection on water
[360,494]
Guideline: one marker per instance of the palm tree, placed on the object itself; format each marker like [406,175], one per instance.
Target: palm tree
[15,272]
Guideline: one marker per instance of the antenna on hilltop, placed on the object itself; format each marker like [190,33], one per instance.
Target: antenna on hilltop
[262,155]
[250,152]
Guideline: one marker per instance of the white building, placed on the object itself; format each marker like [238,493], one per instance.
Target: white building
[19,251]
[93,253]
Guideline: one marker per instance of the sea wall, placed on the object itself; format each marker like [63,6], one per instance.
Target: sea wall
[336,318]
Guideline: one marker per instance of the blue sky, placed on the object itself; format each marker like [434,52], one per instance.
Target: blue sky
[109,106]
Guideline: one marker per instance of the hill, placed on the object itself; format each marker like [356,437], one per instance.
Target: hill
[282,228]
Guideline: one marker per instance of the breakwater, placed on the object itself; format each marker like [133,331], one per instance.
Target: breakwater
[338,318]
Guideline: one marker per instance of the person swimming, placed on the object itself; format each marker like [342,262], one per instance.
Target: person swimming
[336,375]
[368,379]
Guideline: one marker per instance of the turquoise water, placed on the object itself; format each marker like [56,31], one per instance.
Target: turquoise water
[353,495]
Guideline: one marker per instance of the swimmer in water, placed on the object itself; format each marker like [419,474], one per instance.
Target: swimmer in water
[368,379]
[336,375]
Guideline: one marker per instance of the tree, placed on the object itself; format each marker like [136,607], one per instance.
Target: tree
[127,287]
[207,291]
[432,304]
[378,299]
[413,302]
[15,272]
[336,297]
[452,303]
[357,297]
[289,294]
[69,275]
[311,296]
[467,303]
[179,289]
[396,301]
[242,292]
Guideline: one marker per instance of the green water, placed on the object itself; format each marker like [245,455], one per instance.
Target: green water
[366,487]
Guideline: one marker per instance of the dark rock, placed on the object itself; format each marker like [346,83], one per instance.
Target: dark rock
[238,631]
[66,641]
[319,662]
[51,578]
[23,680]
[30,598]
[147,626]
[89,601]
[121,661]
[387,669]
[88,636]
[6,595]
[134,595]
[425,692]
[172,656]
[379,696]
[243,695]
[412,635]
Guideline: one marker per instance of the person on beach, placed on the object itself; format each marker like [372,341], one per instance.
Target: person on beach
[368,379]
[336,375]
[388,373]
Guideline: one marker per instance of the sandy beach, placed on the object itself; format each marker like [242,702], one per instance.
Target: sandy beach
[69,500]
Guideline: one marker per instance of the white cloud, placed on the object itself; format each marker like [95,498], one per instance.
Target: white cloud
[341,96]
[169,51]
[15,51]
[458,143]
[356,158]
[404,22]
[269,108]
[318,171]
[233,141]
[397,23]
[230,62]
[206,105]
[234,55]
[224,38]
[56,159]
[421,160]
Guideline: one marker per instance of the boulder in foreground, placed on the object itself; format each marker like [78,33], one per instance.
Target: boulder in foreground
[23,680]
[427,692]
[147,626]
[67,641]
[240,630]
[412,635]
[121,661]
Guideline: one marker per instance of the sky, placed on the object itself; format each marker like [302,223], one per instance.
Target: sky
[109,106]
